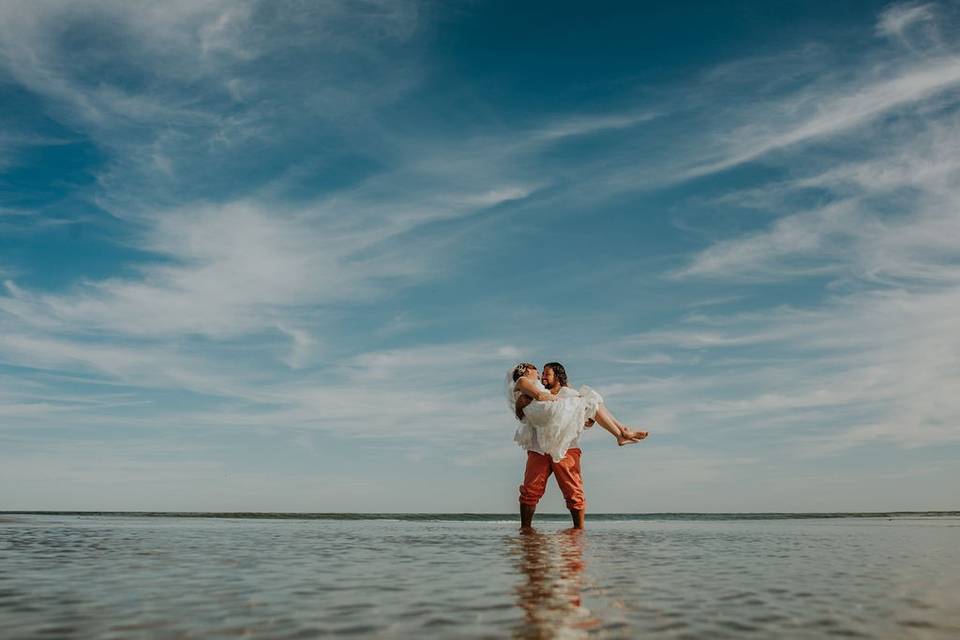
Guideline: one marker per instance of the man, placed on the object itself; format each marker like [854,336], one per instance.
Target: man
[540,465]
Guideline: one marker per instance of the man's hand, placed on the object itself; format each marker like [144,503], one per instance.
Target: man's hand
[522,402]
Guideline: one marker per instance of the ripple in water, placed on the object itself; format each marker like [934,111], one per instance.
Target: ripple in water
[150,577]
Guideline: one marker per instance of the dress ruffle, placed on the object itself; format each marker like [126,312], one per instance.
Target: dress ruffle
[555,425]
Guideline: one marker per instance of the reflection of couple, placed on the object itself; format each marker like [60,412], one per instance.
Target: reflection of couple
[552,417]
[550,594]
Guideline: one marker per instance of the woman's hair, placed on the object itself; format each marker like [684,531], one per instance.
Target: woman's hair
[521,369]
[558,371]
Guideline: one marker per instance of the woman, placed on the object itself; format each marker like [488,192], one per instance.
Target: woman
[554,422]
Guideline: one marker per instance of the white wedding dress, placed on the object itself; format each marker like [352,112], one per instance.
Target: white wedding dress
[552,426]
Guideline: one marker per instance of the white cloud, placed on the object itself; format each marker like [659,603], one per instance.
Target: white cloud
[856,233]
[871,366]
[845,108]
[590,124]
[228,268]
[303,346]
[132,364]
[874,356]
[151,475]
[160,88]
[899,19]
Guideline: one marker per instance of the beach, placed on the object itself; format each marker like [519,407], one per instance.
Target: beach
[670,576]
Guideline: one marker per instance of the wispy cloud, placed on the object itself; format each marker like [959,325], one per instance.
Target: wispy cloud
[875,366]
[834,113]
[900,20]
[873,358]
[230,263]
[584,125]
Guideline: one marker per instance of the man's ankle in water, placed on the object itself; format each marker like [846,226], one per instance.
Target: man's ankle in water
[579,518]
[526,516]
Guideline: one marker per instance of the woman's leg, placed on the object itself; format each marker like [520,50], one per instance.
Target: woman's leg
[623,435]
[606,420]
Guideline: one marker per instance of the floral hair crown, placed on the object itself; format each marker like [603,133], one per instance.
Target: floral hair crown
[521,369]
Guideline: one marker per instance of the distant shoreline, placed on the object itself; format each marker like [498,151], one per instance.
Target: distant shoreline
[492,517]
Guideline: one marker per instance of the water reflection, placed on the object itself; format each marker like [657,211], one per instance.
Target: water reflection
[552,567]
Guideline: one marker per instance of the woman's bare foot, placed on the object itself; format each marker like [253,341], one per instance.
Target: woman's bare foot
[622,440]
[634,436]
[630,437]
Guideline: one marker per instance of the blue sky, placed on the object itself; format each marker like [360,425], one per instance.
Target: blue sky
[277,256]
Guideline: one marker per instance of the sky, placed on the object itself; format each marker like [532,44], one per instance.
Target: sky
[278,256]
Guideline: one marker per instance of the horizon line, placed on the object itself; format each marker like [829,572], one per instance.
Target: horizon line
[481,514]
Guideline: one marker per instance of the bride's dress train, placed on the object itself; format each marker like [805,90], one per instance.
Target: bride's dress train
[554,425]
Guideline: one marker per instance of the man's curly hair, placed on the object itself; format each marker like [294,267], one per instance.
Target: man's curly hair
[521,369]
[558,371]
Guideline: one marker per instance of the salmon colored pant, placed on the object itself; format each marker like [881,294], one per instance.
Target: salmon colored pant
[567,472]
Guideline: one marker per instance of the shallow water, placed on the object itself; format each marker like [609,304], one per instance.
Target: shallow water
[70,576]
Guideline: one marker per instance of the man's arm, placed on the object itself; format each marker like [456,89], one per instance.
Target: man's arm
[528,387]
[522,402]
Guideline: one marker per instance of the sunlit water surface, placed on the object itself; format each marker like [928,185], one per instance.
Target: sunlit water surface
[173,577]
